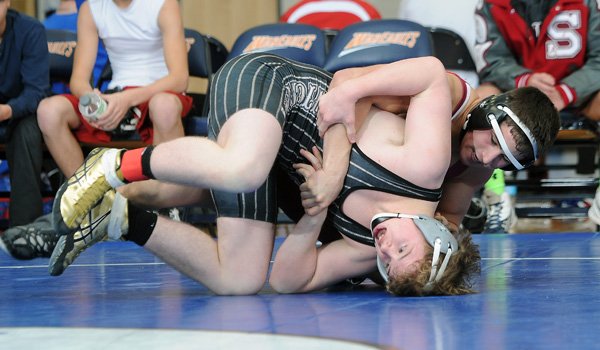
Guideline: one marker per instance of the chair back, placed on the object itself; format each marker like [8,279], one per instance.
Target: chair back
[376,42]
[199,59]
[61,46]
[206,55]
[299,42]
[450,48]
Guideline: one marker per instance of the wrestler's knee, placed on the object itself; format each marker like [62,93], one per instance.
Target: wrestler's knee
[242,176]
[240,286]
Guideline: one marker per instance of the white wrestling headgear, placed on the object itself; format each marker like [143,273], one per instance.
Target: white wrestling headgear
[435,233]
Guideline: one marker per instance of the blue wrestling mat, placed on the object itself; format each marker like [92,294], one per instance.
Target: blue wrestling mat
[536,291]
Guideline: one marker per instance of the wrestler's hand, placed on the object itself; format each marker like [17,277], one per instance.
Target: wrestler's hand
[311,208]
[336,107]
[320,188]
[116,109]
[450,226]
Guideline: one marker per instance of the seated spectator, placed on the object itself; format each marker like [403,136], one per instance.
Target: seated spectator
[551,45]
[330,14]
[24,82]
[150,76]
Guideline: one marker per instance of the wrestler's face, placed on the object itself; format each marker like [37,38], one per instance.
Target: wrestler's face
[400,245]
[480,148]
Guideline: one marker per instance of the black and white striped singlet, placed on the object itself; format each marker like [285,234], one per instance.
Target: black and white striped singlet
[290,91]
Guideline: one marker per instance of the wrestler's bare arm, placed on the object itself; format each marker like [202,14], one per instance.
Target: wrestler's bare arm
[458,192]
[295,261]
[315,268]
[394,85]
[335,162]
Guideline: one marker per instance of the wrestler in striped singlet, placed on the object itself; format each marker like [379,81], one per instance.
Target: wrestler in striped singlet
[290,91]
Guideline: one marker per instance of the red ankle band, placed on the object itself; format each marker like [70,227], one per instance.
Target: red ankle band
[131,165]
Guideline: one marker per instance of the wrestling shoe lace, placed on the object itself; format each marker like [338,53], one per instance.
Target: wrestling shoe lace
[99,173]
[501,214]
[35,240]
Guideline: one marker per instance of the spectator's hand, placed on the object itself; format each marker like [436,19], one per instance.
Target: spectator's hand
[556,99]
[336,107]
[5,112]
[320,188]
[118,106]
[543,81]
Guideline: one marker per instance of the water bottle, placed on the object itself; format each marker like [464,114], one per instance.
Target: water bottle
[92,106]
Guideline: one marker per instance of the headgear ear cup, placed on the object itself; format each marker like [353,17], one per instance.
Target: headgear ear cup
[435,233]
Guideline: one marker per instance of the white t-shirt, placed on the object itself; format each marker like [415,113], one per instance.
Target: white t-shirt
[132,39]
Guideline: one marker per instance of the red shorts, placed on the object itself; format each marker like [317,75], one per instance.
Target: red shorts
[89,134]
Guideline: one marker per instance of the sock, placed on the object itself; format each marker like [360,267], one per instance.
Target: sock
[141,225]
[135,164]
[496,182]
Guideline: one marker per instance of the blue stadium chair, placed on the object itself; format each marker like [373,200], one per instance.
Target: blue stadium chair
[376,42]
[206,55]
[300,42]
[61,46]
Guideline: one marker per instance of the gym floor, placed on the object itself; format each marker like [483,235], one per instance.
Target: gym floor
[536,291]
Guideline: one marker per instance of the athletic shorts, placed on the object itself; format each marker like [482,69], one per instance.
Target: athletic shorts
[290,92]
[89,134]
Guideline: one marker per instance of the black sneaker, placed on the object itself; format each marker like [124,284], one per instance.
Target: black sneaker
[26,242]
[475,217]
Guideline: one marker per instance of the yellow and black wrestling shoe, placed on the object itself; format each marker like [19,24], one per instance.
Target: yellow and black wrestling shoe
[107,220]
[100,172]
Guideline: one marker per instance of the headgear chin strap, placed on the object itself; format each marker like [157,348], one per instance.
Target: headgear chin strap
[488,115]
[435,233]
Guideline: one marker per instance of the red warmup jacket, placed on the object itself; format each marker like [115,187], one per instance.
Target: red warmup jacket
[565,47]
